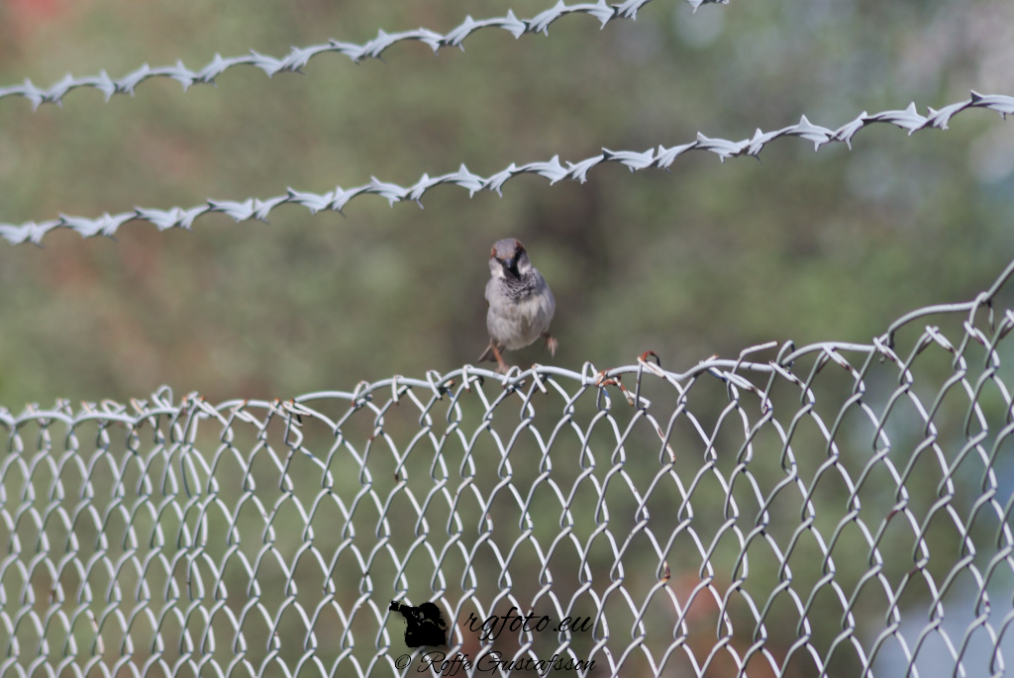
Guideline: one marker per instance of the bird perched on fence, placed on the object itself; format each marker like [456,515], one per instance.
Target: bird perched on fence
[521,305]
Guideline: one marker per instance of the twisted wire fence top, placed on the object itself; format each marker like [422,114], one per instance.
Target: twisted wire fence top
[662,158]
[838,509]
[299,57]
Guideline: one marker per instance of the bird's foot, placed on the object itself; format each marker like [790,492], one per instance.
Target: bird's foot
[551,344]
[501,366]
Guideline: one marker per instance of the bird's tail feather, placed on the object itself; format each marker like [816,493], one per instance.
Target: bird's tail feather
[487,355]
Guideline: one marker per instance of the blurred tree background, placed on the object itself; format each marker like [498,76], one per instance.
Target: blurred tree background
[706,259]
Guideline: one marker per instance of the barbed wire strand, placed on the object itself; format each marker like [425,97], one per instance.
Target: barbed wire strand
[255,208]
[299,57]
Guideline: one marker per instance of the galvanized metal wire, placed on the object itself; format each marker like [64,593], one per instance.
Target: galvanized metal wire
[299,57]
[838,509]
[256,208]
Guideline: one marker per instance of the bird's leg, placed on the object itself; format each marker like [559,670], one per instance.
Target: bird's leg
[551,343]
[501,366]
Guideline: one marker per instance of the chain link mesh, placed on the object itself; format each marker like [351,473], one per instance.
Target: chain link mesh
[838,509]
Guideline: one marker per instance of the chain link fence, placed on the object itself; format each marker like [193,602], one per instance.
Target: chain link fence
[837,509]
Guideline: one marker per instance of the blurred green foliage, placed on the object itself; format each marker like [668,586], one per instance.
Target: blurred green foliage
[704,260]
[707,259]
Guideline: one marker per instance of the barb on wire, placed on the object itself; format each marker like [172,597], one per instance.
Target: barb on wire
[298,57]
[662,157]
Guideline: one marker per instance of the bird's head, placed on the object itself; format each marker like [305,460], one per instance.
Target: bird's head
[508,259]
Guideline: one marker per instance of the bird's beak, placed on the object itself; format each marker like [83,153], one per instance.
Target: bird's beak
[510,265]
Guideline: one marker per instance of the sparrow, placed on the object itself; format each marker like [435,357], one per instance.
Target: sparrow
[521,304]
